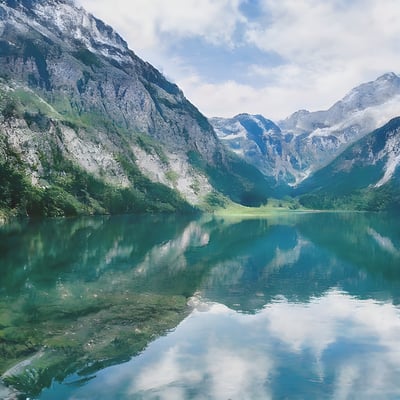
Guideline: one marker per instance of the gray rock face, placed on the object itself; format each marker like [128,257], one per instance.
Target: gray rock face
[306,141]
[7,394]
[83,66]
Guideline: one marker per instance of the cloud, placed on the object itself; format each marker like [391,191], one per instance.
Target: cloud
[329,46]
[229,98]
[315,34]
[319,50]
[151,24]
[237,374]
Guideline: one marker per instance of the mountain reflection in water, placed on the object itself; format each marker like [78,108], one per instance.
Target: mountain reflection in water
[296,306]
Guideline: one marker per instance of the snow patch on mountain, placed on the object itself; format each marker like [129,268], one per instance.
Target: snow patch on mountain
[392,152]
[254,138]
[233,131]
[294,148]
[68,23]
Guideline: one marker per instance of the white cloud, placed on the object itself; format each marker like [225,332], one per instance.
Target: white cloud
[326,321]
[326,48]
[147,23]
[330,46]
[229,98]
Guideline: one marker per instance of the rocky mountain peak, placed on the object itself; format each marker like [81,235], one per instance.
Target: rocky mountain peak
[62,20]
[389,76]
[305,141]
[369,94]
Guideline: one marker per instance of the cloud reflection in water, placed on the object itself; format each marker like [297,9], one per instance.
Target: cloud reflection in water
[334,346]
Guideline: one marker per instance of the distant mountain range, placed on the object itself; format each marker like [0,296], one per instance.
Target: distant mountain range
[292,149]
[86,126]
[332,153]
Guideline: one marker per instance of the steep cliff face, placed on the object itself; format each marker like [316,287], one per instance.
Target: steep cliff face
[72,89]
[85,69]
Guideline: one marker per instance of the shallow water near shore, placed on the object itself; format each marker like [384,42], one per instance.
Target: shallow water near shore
[165,307]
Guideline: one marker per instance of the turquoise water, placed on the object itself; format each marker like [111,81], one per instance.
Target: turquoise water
[302,306]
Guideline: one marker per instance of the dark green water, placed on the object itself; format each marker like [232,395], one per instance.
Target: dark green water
[303,306]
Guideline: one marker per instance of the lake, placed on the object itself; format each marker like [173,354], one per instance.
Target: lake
[294,306]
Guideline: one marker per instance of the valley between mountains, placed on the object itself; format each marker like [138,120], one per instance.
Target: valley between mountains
[203,265]
[87,127]
[343,157]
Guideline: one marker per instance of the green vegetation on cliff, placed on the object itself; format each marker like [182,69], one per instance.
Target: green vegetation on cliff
[66,189]
[72,191]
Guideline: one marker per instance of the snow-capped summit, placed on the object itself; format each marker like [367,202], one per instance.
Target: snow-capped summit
[373,98]
[369,94]
[63,20]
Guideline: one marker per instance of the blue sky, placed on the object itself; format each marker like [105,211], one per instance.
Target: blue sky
[269,57]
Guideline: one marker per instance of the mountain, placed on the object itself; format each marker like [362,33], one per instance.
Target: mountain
[252,137]
[87,126]
[365,176]
[307,141]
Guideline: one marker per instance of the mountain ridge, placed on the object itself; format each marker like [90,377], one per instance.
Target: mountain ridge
[74,94]
[365,176]
[310,140]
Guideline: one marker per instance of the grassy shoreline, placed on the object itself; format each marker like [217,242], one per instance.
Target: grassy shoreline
[273,207]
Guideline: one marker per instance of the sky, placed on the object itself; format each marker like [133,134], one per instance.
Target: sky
[269,57]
